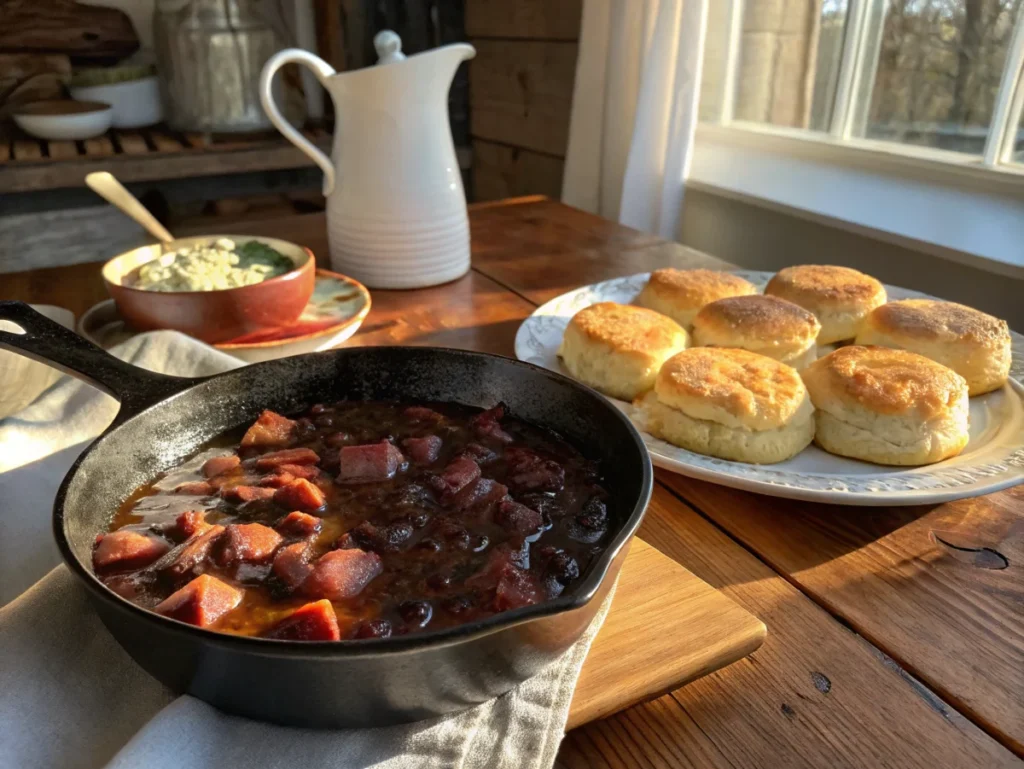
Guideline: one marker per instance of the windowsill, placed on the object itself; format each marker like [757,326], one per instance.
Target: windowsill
[955,210]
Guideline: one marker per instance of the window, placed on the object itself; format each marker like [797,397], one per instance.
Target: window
[944,75]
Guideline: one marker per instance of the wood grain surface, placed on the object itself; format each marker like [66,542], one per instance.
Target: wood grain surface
[940,588]
[135,161]
[948,608]
[531,19]
[500,171]
[65,26]
[686,627]
[892,642]
[520,92]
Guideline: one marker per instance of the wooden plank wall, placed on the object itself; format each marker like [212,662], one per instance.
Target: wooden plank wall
[520,94]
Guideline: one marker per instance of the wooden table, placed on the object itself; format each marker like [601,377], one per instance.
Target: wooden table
[896,635]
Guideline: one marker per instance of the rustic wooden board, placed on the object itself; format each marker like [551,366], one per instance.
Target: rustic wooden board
[815,694]
[939,588]
[30,77]
[538,19]
[27,149]
[520,93]
[665,627]
[164,142]
[65,26]
[101,146]
[144,164]
[931,610]
[500,172]
[63,150]
[541,248]
[330,36]
[197,140]
[132,142]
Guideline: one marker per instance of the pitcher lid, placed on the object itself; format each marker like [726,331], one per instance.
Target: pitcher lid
[388,45]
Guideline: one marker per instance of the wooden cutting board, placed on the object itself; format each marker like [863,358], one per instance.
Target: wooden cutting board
[665,628]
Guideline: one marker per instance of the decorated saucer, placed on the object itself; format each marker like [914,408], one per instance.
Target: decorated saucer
[334,313]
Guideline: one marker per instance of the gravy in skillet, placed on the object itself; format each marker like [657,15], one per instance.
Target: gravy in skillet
[359,520]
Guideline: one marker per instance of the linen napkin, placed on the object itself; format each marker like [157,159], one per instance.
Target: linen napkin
[70,697]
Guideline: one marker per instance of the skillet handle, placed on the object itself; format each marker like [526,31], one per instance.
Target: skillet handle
[50,343]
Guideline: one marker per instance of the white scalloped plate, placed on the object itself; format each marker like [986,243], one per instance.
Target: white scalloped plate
[993,460]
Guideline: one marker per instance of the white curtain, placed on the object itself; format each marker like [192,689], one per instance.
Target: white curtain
[634,110]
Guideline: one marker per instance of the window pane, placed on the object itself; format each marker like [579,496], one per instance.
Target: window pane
[937,71]
[787,65]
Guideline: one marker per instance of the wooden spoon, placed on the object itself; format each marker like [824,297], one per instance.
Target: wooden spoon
[110,189]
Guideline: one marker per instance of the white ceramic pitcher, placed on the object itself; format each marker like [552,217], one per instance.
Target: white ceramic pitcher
[396,210]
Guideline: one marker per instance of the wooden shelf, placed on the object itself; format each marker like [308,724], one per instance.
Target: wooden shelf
[144,155]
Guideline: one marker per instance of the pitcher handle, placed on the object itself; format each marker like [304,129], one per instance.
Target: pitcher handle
[322,70]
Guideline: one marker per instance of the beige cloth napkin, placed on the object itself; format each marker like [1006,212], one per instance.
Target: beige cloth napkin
[70,697]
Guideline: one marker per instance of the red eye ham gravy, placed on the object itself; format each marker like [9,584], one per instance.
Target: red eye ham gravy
[359,520]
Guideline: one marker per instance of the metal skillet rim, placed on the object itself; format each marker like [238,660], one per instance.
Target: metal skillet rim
[580,596]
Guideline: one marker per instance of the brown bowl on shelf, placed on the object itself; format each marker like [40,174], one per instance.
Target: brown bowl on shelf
[212,316]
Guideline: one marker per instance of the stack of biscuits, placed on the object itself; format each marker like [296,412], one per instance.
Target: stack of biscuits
[715,367]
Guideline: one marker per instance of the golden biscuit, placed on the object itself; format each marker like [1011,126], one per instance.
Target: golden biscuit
[972,343]
[681,293]
[839,296]
[618,349]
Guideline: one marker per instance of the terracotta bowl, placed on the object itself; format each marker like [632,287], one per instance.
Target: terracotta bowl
[213,316]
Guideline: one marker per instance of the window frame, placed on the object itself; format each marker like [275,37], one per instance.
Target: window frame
[988,183]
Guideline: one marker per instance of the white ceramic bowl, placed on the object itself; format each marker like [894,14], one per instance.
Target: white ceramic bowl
[64,120]
[136,103]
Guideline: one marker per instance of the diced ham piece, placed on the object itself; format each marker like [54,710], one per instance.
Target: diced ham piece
[313,622]
[287,457]
[201,602]
[270,429]
[480,495]
[246,493]
[309,472]
[300,494]
[369,462]
[342,574]
[127,549]
[299,524]
[528,471]
[518,519]
[277,480]
[486,425]
[291,564]
[195,488]
[479,454]
[459,474]
[423,414]
[188,524]
[423,450]
[515,587]
[220,465]
[187,559]
[248,542]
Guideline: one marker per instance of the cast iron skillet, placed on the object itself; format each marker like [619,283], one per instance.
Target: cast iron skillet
[323,684]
